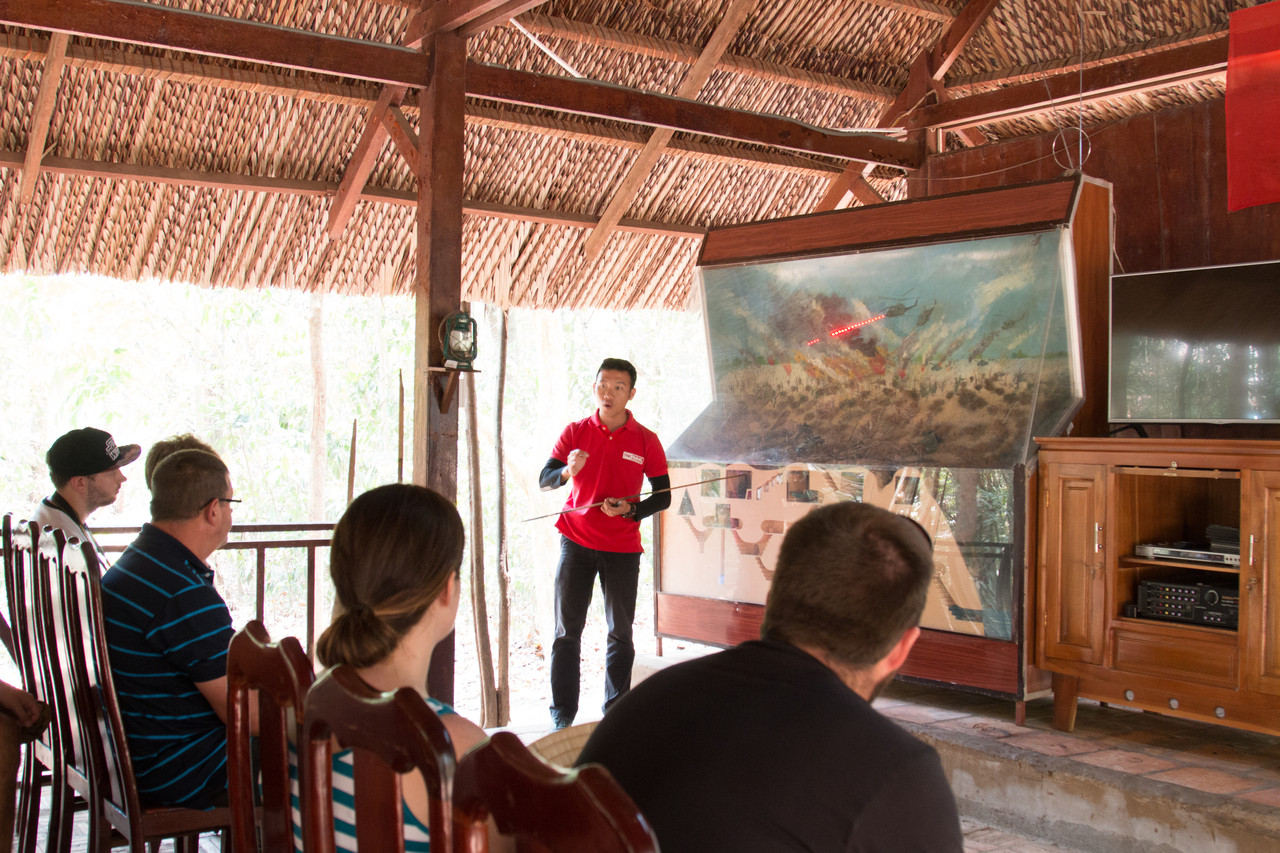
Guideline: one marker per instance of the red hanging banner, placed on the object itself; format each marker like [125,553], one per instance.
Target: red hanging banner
[1253,107]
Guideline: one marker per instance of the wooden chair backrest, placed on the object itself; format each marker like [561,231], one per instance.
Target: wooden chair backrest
[91,667]
[58,657]
[389,734]
[577,811]
[6,630]
[280,674]
[21,544]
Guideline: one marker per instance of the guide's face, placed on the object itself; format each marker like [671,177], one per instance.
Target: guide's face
[613,391]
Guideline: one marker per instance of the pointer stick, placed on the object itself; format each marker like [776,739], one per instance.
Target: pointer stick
[654,492]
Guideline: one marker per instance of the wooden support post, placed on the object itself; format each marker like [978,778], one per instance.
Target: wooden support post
[438,287]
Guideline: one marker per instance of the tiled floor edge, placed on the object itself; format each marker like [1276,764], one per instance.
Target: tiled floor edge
[1094,808]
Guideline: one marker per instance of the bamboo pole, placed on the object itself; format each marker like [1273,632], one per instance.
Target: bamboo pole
[351,465]
[479,604]
[400,437]
[504,567]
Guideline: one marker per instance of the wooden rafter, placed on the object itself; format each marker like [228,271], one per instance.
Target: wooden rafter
[1190,63]
[466,17]
[616,102]
[229,38]
[929,67]
[403,136]
[364,95]
[41,114]
[642,166]
[362,160]
[673,51]
[139,23]
[289,186]
[1002,77]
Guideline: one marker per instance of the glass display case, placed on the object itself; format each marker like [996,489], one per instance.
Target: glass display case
[913,374]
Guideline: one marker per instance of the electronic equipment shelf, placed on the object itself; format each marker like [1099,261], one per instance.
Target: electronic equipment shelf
[1182,637]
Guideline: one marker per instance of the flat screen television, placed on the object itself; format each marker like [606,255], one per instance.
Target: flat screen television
[1196,345]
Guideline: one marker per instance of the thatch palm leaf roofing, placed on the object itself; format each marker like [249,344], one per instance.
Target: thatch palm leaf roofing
[161,162]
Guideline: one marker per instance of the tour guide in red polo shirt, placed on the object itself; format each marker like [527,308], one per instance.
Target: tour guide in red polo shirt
[607,456]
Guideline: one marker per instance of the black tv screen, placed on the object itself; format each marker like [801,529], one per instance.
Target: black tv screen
[1197,344]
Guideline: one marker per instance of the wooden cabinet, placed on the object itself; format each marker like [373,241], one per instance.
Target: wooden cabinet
[1072,546]
[1262,581]
[1178,632]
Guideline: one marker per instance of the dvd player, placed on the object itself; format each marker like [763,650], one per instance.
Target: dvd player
[1192,555]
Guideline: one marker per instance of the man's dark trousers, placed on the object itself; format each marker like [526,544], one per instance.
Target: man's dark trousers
[575,580]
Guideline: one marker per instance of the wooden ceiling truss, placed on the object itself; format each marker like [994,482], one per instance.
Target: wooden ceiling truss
[400,72]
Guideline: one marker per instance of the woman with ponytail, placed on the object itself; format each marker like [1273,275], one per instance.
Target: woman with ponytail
[394,561]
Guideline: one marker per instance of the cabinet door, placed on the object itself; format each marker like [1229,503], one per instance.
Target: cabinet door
[1071,589]
[1260,586]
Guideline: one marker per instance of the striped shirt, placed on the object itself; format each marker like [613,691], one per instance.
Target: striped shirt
[416,836]
[167,631]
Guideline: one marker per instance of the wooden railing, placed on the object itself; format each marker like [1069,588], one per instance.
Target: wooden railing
[259,539]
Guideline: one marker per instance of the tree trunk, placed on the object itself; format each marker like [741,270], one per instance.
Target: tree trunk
[319,448]
[479,607]
[504,570]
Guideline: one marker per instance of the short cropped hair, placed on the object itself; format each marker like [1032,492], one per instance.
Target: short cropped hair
[167,446]
[851,579]
[184,483]
[620,364]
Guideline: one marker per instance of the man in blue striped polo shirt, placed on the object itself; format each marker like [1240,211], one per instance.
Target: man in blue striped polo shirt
[168,630]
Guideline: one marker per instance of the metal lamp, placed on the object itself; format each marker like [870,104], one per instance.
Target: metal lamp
[458,340]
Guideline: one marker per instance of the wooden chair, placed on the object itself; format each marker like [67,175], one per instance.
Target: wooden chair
[280,674]
[77,769]
[114,793]
[576,811]
[42,763]
[389,734]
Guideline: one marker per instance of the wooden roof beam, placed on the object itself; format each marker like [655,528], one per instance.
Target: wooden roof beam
[362,160]
[690,87]
[229,38]
[110,171]
[403,136]
[673,51]
[363,95]
[974,83]
[603,100]
[1186,64]
[929,67]
[50,77]
[141,23]
[467,17]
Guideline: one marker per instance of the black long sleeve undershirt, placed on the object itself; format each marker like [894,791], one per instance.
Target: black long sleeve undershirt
[550,479]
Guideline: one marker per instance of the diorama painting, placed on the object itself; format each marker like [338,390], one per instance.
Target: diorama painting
[726,546]
[947,354]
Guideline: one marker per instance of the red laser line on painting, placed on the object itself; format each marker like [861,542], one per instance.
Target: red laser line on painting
[835,333]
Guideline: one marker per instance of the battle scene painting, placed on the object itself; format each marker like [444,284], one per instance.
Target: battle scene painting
[945,354]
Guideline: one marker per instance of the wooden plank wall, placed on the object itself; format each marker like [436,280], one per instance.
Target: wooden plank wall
[1169,172]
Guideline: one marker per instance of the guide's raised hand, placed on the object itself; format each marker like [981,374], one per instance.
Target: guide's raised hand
[577,459]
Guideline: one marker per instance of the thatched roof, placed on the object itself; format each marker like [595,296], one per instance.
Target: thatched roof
[161,162]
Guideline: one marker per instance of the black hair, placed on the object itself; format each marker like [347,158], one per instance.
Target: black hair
[620,364]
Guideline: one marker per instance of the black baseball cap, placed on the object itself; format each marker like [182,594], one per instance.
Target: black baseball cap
[88,451]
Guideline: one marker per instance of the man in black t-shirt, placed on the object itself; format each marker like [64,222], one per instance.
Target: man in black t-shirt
[773,746]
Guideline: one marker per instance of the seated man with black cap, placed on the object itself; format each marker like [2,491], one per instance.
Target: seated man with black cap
[84,465]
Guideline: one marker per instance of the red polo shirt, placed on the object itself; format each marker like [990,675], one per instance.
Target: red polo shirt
[617,464]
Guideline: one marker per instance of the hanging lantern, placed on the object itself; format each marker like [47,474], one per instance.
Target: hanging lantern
[458,340]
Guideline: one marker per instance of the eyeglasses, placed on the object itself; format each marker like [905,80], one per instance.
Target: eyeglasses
[224,500]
